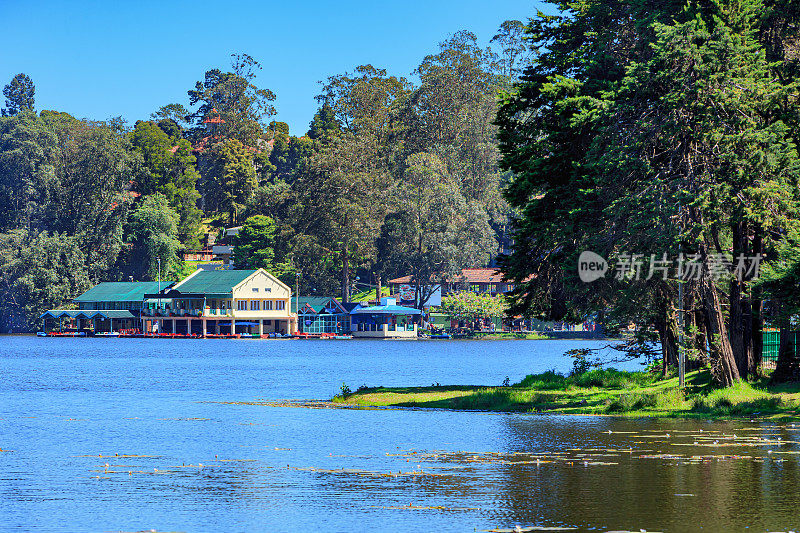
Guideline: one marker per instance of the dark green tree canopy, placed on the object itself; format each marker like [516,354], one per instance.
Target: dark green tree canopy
[19,94]
[255,243]
[234,98]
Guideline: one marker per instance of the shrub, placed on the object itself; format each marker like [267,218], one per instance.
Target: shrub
[550,380]
[635,401]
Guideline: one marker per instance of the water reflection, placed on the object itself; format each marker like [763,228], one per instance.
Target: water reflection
[68,415]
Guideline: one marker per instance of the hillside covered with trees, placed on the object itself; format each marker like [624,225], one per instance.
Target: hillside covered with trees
[392,177]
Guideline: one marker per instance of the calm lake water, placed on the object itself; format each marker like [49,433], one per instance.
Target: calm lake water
[136,435]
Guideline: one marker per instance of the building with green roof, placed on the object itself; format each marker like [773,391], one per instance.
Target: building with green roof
[222,302]
[107,307]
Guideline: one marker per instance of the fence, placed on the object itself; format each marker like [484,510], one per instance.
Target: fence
[772,342]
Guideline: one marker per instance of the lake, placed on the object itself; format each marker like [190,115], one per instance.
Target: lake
[182,435]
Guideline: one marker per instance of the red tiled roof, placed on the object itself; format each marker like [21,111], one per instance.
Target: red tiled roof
[470,275]
[213,120]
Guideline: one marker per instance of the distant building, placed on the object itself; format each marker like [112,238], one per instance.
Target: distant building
[384,321]
[223,251]
[320,314]
[478,280]
[106,307]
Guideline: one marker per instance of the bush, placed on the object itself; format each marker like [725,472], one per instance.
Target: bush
[612,379]
[635,401]
[739,399]
[550,380]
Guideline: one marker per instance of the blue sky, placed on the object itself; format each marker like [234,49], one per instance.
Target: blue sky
[102,59]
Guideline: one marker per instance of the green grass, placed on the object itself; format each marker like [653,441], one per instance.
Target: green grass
[509,335]
[369,295]
[598,392]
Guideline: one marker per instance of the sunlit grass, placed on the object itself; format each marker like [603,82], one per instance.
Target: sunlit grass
[601,391]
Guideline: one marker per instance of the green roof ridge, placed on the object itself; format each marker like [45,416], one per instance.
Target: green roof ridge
[121,291]
[213,281]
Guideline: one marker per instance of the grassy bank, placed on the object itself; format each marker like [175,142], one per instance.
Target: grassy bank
[606,392]
[509,335]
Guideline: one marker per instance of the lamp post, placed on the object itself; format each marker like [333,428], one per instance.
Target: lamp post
[297,294]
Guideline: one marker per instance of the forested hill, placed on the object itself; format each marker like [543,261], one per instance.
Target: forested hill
[392,177]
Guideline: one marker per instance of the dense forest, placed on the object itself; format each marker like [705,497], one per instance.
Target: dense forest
[662,128]
[392,177]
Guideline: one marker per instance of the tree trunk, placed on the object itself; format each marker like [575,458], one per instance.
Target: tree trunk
[700,343]
[667,329]
[757,317]
[378,288]
[723,364]
[345,274]
[786,368]
[738,330]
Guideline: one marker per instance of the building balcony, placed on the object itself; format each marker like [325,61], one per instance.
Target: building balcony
[209,312]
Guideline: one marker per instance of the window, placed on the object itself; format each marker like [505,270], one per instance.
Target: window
[255,305]
[255,289]
[241,305]
[267,305]
[280,305]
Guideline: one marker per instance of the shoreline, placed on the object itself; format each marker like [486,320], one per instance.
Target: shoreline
[595,393]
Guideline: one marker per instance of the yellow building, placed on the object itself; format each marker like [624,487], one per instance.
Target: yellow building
[222,302]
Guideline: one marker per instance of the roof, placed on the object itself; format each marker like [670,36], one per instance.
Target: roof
[386,310]
[88,313]
[213,281]
[121,291]
[60,313]
[111,313]
[316,303]
[470,275]
[349,306]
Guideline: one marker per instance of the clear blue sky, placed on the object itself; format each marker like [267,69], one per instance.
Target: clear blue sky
[107,58]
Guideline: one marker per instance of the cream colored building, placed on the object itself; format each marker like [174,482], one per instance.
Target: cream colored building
[222,302]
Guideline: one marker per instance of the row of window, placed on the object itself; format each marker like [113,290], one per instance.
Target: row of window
[257,305]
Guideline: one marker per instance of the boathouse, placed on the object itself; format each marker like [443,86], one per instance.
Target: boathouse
[222,302]
[321,314]
[384,321]
[107,307]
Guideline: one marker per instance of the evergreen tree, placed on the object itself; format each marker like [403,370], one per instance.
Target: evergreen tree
[19,94]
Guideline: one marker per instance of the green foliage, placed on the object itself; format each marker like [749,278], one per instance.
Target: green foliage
[601,378]
[254,245]
[153,234]
[324,124]
[665,400]
[675,141]
[237,100]
[470,306]
[231,179]
[19,95]
[740,399]
[37,272]
[345,391]
[170,170]
[173,112]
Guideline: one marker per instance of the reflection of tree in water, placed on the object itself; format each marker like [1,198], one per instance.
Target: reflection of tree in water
[749,487]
